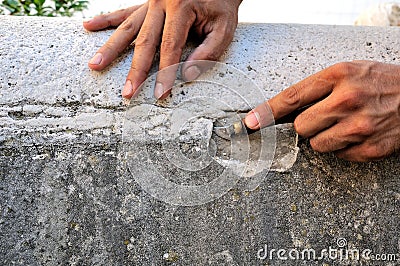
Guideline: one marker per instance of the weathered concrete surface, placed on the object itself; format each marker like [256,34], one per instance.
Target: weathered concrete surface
[68,197]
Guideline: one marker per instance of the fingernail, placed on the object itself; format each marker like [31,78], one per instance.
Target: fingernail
[86,20]
[192,73]
[96,59]
[252,120]
[128,89]
[159,90]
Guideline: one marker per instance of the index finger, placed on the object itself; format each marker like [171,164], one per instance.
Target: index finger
[296,96]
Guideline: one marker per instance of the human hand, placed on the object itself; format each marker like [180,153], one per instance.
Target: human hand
[357,116]
[168,22]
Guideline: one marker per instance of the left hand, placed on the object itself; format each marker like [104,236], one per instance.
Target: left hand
[167,22]
[357,116]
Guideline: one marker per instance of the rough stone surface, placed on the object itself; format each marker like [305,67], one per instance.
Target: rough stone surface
[69,196]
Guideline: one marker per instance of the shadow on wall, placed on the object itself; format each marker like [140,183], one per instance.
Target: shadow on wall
[384,14]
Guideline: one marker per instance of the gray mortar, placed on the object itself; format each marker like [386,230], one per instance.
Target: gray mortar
[67,196]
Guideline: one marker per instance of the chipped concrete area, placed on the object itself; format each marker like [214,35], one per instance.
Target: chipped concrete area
[70,186]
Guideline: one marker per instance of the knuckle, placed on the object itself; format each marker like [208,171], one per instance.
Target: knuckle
[127,26]
[170,45]
[342,69]
[291,96]
[121,12]
[351,100]
[154,2]
[362,127]
[178,3]
[145,40]
[106,18]
[157,3]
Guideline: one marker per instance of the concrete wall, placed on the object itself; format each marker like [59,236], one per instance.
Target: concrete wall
[69,193]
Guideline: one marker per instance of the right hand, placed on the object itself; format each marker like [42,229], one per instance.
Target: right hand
[357,116]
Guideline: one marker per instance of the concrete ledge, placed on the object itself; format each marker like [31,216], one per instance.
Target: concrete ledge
[67,196]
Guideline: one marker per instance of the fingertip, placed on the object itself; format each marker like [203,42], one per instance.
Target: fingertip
[252,120]
[95,67]
[165,81]
[194,68]
[165,95]
[96,59]
[97,23]
[191,73]
[86,23]
[127,91]
[97,62]
[161,91]
[90,24]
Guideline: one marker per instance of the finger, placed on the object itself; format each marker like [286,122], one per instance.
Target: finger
[174,39]
[121,38]
[113,19]
[212,48]
[335,138]
[370,149]
[145,48]
[317,118]
[303,93]
[260,116]
[361,153]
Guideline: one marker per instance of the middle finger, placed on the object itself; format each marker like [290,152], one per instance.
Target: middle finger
[145,48]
